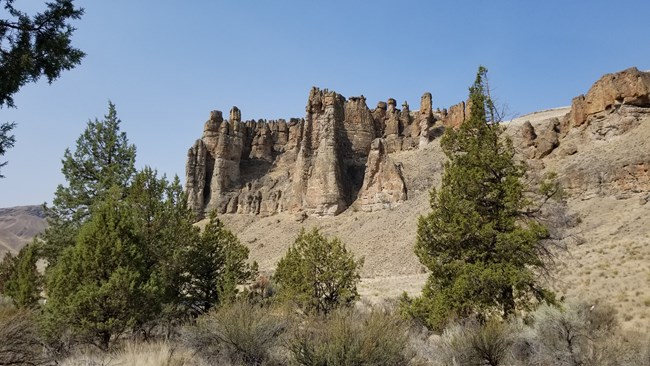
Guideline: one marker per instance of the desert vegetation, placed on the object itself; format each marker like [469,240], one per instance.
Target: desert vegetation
[130,280]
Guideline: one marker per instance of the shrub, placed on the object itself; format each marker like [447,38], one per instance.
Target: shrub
[349,337]
[317,273]
[471,343]
[577,334]
[20,341]
[238,333]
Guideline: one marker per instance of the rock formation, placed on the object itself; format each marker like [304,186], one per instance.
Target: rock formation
[319,165]
[317,186]
[628,87]
[455,116]
[383,184]
[425,119]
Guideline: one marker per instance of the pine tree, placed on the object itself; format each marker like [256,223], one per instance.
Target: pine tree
[317,273]
[482,250]
[103,158]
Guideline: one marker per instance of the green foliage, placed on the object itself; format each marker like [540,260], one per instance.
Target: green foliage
[6,269]
[103,158]
[35,46]
[100,286]
[482,250]
[347,337]
[6,140]
[318,274]
[214,264]
[22,282]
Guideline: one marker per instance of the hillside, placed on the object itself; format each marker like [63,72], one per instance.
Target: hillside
[600,149]
[18,225]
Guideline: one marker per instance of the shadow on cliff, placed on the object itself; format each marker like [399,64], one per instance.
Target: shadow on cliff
[253,169]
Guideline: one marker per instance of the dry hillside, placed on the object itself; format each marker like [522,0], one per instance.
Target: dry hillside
[599,148]
[18,225]
[601,153]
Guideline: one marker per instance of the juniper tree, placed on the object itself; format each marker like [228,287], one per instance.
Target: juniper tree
[482,250]
[318,274]
[99,286]
[214,264]
[19,277]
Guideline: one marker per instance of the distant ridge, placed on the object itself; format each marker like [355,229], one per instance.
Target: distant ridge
[18,226]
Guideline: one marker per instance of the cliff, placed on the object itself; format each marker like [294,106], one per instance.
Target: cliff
[336,157]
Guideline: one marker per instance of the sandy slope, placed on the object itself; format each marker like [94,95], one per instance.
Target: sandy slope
[18,225]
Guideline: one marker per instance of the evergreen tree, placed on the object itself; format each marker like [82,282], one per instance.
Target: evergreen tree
[6,269]
[318,274]
[214,264]
[99,287]
[6,141]
[164,223]
[103,158]
[22,282]
[32,46]
[483,251]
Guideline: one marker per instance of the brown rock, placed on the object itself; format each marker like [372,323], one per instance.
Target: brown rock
[528,134]
[262,145]
[404,118]
[318,178]
[379,117]
[359,125]
[547,137]
[455,116]
[383,184]
[213,164]
[628,87]
[235,114]
[425,118]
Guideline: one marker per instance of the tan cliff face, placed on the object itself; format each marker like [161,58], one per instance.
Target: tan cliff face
[337,156]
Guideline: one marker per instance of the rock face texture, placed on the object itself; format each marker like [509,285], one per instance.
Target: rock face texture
[322,164]
[383,183]
[599,147]
[628,87]
[339,155]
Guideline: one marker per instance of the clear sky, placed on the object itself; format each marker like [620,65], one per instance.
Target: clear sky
[166,64]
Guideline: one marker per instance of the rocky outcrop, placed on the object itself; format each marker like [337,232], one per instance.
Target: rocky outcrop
[455,116]
[628,87]
[317,186]
[425,118]
[359,125]
[318,165]
[213,163]
[383,183]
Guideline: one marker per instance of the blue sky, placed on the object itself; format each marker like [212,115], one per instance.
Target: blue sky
[167,64]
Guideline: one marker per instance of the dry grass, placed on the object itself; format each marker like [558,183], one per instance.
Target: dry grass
[137,354]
